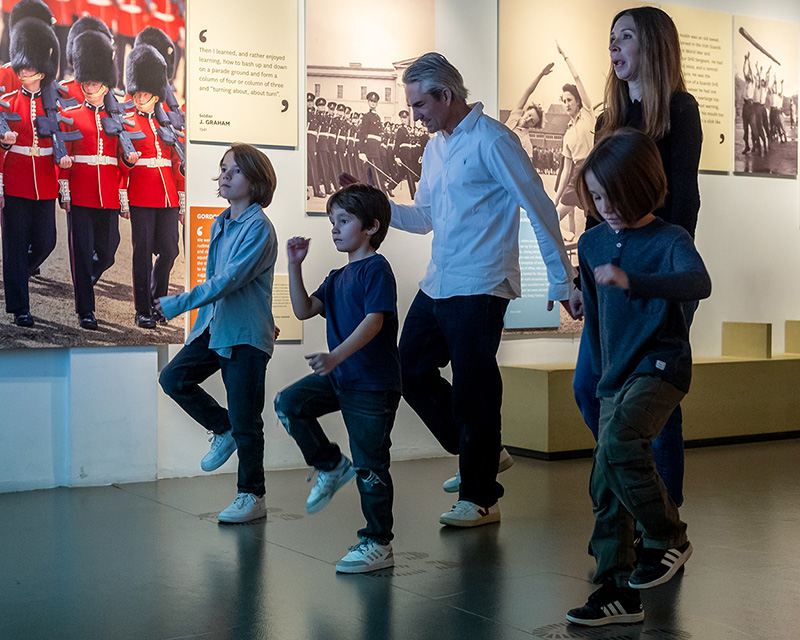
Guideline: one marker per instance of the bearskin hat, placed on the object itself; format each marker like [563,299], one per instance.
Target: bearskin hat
[157,38]
[34,45]
[93,58]
[82,25]
[30,9]
[145,70]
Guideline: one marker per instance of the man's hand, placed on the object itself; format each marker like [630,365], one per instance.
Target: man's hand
[611,276]
[297,249]
[322,363]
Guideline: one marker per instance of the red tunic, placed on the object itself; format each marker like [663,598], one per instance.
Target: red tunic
[97,168]
[131,17]
[73,88]
[9,80]
[62,10]
[103,9]
[167,17]
[28,169]
[156,179]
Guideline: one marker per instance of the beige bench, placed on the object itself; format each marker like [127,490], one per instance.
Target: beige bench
[733,398]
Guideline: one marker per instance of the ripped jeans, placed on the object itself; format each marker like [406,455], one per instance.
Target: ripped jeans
[369,417]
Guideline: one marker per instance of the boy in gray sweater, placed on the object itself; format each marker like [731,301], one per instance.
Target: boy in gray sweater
[635,271]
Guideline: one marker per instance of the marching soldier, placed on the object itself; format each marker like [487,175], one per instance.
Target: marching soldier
[404,154]
[152,187]
[369,137]
[90,188]
[29,186]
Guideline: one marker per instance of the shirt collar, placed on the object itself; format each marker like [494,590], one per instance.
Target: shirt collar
[471,119]
[246,214]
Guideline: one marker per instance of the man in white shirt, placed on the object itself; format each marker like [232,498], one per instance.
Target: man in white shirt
[475,178]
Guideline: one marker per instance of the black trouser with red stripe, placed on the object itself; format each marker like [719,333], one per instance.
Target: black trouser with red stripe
[93,241]
[154,231]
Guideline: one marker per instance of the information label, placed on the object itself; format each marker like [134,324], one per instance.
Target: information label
[243,72]
[706,52]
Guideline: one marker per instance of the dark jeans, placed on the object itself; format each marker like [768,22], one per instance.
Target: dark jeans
[93,242]
[369,417]
[625,486]
[464,416]
[154,231]
[244,375]
[29,236]
[667,447]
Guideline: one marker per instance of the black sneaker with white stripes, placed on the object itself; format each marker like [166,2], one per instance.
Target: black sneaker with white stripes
[610,604]
[657,566]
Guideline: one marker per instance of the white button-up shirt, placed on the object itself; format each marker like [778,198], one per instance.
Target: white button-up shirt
[473,184]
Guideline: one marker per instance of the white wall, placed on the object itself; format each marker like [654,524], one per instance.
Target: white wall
[81,417]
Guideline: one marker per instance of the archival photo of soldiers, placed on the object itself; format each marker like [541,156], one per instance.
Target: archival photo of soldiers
[765,66]
[357,118]
[551,83]
[93,169]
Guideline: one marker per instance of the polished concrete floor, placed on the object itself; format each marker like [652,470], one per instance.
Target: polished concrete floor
[149,561]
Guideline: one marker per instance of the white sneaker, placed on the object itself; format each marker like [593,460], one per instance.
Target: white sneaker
[246,507]
[367,555]
[328,483]
[452,485]
[222,447]
[468,514]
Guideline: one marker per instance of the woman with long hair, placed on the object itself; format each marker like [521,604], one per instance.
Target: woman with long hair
[645,89]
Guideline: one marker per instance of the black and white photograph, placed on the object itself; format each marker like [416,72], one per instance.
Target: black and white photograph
[103,245]
[765,64]
[553,63]
[358,121]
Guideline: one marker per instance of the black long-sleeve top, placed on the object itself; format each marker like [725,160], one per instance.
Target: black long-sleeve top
[680,155]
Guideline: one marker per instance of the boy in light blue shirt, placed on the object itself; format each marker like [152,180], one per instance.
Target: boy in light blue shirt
[234,331]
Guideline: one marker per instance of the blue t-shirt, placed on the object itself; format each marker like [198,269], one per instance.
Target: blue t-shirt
[348,295]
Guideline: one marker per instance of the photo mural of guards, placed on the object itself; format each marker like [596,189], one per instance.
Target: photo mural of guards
[765,59]
[86,273]
[358,121]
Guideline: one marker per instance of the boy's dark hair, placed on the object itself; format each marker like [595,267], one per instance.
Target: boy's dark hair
[628,166]
[258,170]
[366,203]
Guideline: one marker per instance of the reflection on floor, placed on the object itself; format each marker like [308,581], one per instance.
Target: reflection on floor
[148,561]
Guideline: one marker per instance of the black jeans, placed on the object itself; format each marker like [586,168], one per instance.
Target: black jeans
[464,416]
[369,417]
[244,375]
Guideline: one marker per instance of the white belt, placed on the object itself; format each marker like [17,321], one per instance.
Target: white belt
[95,160]
[31,151]
[372,136]
[154,162]
[406,145]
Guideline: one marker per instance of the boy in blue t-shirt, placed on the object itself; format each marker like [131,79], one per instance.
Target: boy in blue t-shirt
[359,376]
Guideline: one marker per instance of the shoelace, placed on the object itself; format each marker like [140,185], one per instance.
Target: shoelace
[215,440]
[243,498]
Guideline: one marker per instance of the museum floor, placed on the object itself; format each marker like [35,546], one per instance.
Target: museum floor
[149,562]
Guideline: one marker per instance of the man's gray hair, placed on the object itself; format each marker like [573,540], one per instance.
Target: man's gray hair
[434,73]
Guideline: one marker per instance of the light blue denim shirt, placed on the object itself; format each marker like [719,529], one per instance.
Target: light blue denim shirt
[235,301]
[473,184]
